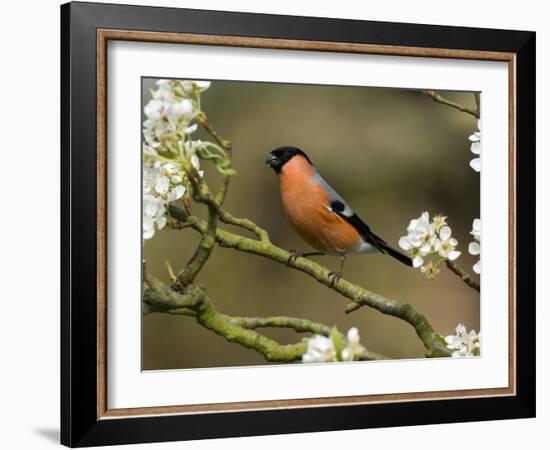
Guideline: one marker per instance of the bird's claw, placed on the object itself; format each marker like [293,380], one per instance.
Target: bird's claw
[335,277]
[293,254]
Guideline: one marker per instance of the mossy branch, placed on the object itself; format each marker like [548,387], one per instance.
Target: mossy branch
[205,247]
[194,302]
[357,294]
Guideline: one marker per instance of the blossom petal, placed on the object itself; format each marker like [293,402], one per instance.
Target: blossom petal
[148,228]
[176,193]
[474,248]
[202,85]
[161,223]
[477,267]
[162,184]
[149,233]
[155,109]
[445,233]
[195,161]
[405,243]
[418,261]
[191,129]
[476,164]
[353,335]
[347,355]
[453,255]
[182,108]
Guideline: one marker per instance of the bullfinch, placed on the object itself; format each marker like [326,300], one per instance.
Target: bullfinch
[319,214]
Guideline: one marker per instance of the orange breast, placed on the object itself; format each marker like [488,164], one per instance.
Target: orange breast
[307,206]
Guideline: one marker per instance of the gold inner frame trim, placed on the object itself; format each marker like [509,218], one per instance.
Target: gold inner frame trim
[103,36]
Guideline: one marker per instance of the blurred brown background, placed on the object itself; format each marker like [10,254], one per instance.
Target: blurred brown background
[391,153]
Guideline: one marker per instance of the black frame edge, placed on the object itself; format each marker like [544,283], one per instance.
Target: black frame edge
[65,416]
[526,223]
[78,219]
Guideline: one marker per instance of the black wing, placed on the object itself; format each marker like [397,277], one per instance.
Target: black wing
[338,207]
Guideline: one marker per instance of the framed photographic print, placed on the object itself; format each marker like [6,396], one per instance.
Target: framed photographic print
[272,224]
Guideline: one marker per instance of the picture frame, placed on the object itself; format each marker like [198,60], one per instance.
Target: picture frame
[86,29]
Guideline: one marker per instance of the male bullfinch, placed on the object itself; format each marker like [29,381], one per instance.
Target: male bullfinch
[319,214]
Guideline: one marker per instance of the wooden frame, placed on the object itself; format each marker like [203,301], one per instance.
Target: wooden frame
[86,419]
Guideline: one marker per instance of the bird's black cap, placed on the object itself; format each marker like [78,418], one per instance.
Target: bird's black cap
[277,158]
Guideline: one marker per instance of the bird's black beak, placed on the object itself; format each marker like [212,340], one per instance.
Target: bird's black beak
[272,160]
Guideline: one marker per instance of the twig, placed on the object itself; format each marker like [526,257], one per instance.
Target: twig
[463,275]
[297,324]
[226,163]
[245,224]
[478,103]
[224,143]
[437,98]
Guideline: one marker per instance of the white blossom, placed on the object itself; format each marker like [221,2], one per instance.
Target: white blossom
[323,349]
[475,148]
[475,247]
[156,109]
[175,104]
[353,346]
[158,191]
[153,215]
[319,349]
[169,115]
[463,343]
[446,244]
[425,237]
[429,270]
[420,239]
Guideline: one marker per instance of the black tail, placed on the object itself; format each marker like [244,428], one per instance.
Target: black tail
[396,254]
[366,233]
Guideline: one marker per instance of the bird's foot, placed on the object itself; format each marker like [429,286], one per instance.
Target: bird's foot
[293,254]
[335,277]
